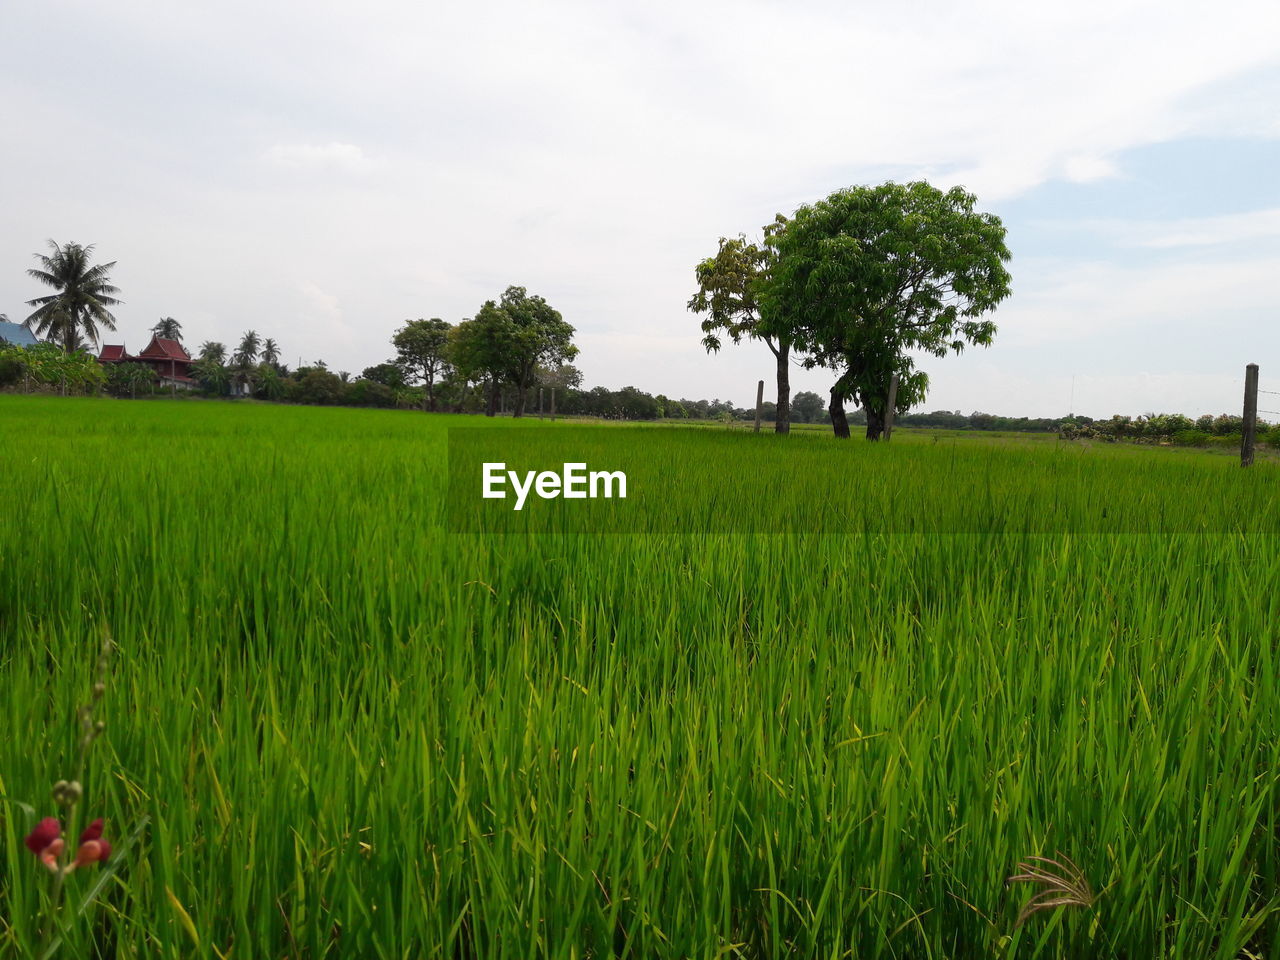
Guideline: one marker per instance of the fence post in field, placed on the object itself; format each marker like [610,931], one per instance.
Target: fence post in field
[889,407]
[1248,434]
[539,403]
[553,403]
[759,402]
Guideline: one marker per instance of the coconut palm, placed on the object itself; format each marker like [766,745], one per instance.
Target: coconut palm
[84,292]
[168,328]
[270,352]
[243,374]
[214,351]
[247,352]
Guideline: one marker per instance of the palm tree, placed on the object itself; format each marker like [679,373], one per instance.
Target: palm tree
[168,329]
[84,292]
[243,359]
[247,352]
[214,351]
[270,352]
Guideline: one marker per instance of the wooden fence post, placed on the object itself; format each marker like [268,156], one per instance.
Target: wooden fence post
[1249,433]
[759,403]
[888,407]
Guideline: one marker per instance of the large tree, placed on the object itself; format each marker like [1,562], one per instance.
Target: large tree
[83,292]
[540,338]
[481,349]
[728,294]
[871,273]
[422,352]
[806,405]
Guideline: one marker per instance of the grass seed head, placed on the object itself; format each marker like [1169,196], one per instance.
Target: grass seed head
[1064,885]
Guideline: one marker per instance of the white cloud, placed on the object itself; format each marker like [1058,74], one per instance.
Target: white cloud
[1087,169]
[416,158]
[1209,231]
[334,155]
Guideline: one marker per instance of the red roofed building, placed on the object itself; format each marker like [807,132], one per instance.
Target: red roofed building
[114,353]
[168,358]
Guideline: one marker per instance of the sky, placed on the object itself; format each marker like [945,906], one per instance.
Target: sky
[321,172]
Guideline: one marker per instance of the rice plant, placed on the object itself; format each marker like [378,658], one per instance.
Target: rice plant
[357,726]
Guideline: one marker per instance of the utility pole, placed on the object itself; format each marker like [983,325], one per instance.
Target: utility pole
[889,407]
[1250,430]
[759,402]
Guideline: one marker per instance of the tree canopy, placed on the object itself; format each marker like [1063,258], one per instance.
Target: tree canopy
[539,337]
[422,349]
[729,287]
[871,273]
[482,347]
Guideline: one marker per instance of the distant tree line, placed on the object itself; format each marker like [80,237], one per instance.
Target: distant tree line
[892,268]
[1171,428]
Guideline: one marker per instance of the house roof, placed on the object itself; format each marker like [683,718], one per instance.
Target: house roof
[17,334]
[161,349]
[114,353]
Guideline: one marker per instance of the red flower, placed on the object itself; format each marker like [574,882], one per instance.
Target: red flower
[45,832]
[46,842]
[92,851]
[50,854]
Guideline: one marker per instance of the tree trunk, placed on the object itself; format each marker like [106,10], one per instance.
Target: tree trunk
[491,408]
[782,423]
[839,422]
[519,409]
[875,423]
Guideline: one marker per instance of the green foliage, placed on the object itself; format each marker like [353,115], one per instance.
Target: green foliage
[367,393]
[728,294]
[47,365]
[316,386]
[871,273]
[1223,430]
[268,384]
[12,366]
[210,372]
[129,379]
[387,374]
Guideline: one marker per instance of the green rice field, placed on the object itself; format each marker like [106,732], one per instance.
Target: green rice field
[340,723]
